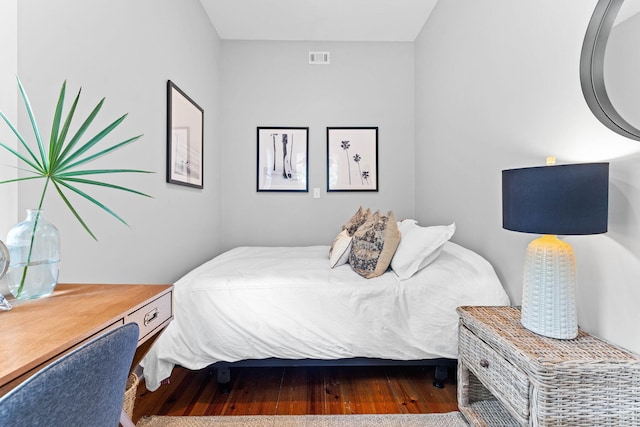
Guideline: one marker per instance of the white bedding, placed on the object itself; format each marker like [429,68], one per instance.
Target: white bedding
[259,302]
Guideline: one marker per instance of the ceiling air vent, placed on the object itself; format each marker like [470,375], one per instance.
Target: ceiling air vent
[319,58]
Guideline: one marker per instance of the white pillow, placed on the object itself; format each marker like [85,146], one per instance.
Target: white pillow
[419,246]
[340,249]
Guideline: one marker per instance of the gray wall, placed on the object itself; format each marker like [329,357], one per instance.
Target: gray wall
[126,51]
[8,105]
[272,84]
[497,87]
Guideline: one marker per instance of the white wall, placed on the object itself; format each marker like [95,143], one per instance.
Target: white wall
[126,51]
[272,84]
[8,105]
[497,87]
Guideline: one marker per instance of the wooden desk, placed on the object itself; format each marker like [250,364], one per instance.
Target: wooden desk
[35,333]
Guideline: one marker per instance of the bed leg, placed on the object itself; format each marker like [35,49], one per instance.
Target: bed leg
[442,373]
[224,379]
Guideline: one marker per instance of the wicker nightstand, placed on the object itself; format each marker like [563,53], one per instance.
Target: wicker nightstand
[508,375]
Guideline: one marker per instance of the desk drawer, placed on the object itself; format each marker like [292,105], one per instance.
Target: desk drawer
[504,380]
[152,315]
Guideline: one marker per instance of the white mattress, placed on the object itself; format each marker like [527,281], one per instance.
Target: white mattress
[286,302]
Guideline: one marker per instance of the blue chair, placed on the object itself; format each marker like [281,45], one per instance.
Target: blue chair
[85,387]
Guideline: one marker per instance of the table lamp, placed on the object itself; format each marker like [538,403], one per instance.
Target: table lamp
[553,200]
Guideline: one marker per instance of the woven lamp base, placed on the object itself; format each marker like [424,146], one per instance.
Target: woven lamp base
[549,294]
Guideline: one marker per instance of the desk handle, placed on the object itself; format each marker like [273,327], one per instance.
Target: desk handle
[151,316]
[484,363]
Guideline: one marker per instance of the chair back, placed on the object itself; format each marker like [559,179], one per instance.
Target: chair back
[85,387]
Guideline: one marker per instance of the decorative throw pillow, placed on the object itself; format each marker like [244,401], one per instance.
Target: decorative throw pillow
[374,244]
[340,249]
[419,247]
[356,220]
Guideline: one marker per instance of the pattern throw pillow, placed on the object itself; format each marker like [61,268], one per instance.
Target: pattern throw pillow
[356,220]
[374,244]
[340,250]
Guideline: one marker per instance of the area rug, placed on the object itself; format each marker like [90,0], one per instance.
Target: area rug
[451,419]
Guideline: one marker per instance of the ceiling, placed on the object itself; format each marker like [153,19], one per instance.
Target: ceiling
[319,20]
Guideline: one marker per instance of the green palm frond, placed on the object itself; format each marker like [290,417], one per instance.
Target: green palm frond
[57,163]
[63,166]
[73,211]
[34,125]
[34,162]
[99,183]
[88,197]
[83,128]
[24,178]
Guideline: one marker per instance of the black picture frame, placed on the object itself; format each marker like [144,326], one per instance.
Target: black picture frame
[185,139]
[352,159]
[282,159]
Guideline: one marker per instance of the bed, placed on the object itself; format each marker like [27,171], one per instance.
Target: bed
[286,304]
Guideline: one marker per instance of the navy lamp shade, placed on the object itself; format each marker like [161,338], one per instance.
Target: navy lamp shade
[554,200]
[563,199]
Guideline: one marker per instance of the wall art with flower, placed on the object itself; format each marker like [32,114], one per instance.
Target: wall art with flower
[352,159]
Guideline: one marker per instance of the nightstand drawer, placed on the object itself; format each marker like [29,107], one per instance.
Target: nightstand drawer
[152,315]
[503,380]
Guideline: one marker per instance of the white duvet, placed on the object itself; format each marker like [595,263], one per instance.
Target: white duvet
[260,302]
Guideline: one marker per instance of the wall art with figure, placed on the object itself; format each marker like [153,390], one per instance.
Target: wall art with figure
[282,159]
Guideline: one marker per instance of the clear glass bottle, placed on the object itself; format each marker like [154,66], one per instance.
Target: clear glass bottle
[35,257]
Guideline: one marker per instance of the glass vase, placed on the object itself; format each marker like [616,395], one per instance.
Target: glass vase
[34,247]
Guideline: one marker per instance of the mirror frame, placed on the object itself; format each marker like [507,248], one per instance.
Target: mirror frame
[592,69]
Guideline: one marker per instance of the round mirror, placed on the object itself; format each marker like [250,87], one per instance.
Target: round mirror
[610,65]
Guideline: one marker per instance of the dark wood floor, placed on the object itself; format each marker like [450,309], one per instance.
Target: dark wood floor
[297,391]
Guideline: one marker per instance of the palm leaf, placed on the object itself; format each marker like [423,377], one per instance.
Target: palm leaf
[100,183]
[93,141]
[59,143]
[36,167]
[34,126]
[39,166]
[24,178]
[99,171]
[73,211]
[55,126]
[91,199]
[57,161]
[95,156]
[83,128]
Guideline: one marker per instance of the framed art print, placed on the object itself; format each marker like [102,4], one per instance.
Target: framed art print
[282,159]
[352,159]
[185,129]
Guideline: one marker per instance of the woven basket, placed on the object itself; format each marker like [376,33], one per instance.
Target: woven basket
[580,382]
[130,394]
